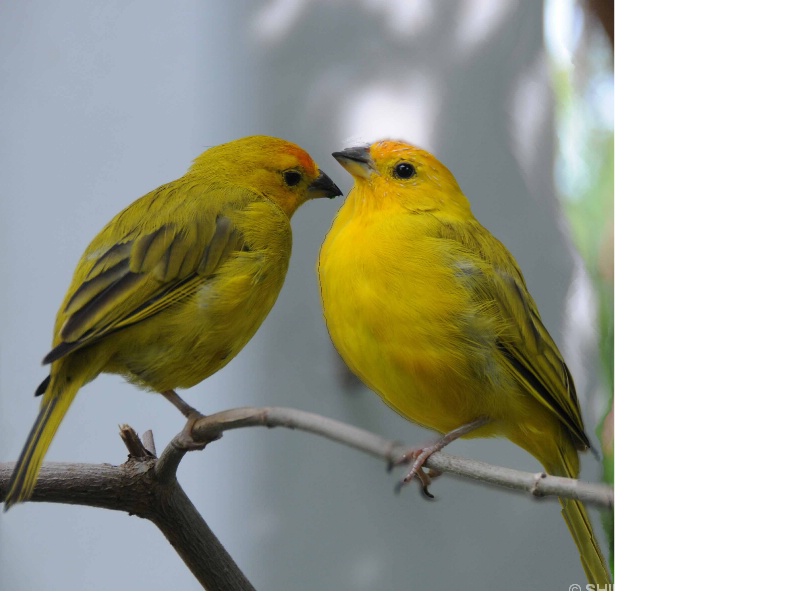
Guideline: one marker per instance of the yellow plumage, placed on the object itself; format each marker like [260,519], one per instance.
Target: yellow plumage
[177,283]
[432,312]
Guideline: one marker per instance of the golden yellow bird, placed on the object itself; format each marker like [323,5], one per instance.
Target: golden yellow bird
[176,284]
[431,311]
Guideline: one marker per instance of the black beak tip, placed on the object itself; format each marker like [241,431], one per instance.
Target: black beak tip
[326,186]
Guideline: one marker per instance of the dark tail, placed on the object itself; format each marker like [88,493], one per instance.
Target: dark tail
[26,471]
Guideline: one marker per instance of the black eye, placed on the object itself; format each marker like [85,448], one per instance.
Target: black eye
[292,178]
[404,171]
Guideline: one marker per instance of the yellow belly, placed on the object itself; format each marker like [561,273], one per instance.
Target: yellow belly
[404,324]
[187,342]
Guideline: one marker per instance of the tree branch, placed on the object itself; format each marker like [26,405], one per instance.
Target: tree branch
[540,484]
[146,486]
[133,488]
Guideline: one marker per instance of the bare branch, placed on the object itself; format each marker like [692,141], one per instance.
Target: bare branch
[149,442]
[135,446]
[208,428]
[132,488]
[198,546]
[147,487]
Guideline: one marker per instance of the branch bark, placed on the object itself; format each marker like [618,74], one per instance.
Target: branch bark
[133,488]
[146,486]
[534,484]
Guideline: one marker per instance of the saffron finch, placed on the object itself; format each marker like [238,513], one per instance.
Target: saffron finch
[176,284]
[431,312]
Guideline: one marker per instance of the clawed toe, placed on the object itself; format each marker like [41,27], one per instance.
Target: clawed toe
[418,457]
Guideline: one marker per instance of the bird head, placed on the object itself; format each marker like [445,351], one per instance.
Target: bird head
[402,175]
[278,169]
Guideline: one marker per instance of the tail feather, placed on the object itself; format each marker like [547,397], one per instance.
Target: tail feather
[580,527]
[561,458]
[26,472]
[579,524]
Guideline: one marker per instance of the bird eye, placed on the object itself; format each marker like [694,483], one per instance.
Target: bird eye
[404,171]
[292,178]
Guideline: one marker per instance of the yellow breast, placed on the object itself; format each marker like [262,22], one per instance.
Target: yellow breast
[400,317]
[183,345]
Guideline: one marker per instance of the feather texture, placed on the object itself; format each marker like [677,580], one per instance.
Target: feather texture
[177,283]
[431,311]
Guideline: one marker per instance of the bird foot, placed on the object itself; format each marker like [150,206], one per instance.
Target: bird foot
[418,457]
[185,439]
[421,455]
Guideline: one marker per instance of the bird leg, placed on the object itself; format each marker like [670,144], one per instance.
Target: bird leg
[185,440]
[420,456]
[183,407]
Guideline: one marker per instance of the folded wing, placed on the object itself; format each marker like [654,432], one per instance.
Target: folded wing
[527,350]
[146,271]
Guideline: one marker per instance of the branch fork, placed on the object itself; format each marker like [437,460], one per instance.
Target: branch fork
[146,485]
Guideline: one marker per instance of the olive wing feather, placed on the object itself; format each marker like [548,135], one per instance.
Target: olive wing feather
[145,272]
[528,352]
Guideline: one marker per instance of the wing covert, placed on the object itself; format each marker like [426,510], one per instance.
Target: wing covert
[144,273]
[528,351]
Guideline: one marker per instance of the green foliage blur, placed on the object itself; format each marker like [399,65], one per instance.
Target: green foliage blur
[583,82]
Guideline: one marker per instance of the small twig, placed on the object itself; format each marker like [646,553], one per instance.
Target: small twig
[131,440]
[149,442]
[208,428]
[167,465]
[594,493]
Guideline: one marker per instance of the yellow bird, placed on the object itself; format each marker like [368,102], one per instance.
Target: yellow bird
[176,284]
[431,312]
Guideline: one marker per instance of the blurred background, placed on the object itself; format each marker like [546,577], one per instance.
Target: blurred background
[102,102]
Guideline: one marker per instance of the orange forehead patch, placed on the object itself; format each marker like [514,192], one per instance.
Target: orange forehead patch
[303,159]
[388,148]
[390,151]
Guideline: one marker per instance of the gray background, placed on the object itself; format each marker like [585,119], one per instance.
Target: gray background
[101,103]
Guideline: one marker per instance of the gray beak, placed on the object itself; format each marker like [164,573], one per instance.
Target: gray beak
[356,161]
